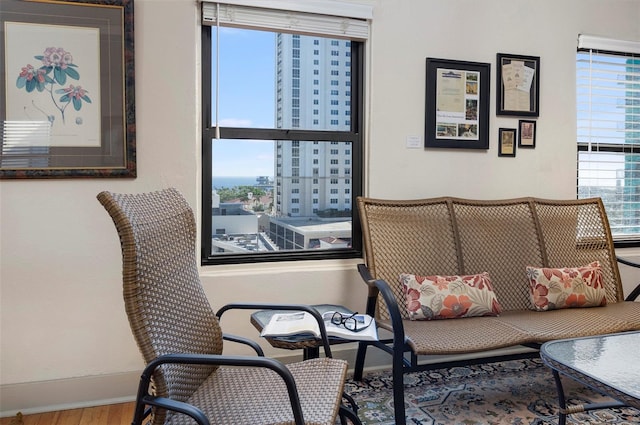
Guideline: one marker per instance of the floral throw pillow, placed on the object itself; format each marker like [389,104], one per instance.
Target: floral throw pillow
[569,287]
[449,297]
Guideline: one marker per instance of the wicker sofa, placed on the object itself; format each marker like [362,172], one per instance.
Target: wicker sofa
[451,236]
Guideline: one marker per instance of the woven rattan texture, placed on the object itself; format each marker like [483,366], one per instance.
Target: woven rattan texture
[567,323]
[164,300]
[461,336]
[576,234]
[628,312]
[461,236]
[500,239]
[318,381]
[407,238]
[169,313]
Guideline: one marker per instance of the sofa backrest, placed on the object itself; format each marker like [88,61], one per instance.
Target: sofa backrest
[455,236]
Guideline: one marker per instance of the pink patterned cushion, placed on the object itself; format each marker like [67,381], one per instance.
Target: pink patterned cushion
[568,287]
[449,297]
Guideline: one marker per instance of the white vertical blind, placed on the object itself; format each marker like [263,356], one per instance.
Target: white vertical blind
[608,129]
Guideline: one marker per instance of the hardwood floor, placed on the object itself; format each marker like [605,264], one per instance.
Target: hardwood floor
[112,414]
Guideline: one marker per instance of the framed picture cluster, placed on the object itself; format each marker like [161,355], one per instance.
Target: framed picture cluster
[525,135]
[457,102]
[517,94]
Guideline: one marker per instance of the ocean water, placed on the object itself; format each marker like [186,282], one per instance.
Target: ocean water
[232,181]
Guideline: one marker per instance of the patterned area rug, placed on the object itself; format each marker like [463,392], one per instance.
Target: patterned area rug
[515,392]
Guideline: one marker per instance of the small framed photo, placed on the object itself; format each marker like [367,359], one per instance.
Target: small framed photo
[526,134]
[518,85]
[507,142]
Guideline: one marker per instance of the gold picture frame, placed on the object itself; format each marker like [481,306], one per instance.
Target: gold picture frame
[68,96]
[507,142]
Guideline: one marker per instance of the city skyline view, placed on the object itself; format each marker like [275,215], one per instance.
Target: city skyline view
[304,85]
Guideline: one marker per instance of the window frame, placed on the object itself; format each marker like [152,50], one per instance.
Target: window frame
[618,48]
[355,136]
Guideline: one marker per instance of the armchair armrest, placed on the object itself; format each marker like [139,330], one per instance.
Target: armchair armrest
[246,341]
[219,360]
[293,307]
[633,295]
[177,406]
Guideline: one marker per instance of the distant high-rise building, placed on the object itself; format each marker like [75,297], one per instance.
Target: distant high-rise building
[313,92]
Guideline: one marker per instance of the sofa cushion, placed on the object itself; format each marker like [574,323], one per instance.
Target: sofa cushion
[449,297]
[568,287]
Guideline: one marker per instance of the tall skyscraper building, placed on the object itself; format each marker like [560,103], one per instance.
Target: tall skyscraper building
[313,92]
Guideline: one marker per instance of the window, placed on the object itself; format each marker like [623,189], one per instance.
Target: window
[262,131]
[608,129]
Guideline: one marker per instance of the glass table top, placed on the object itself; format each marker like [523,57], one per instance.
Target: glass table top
[613,360]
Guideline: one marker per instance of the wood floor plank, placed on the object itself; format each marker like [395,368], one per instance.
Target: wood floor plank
[44,419]
[95,415]
[113,414]
[127,413]
[32,419]
[6,421]
[120,414]
[69,417]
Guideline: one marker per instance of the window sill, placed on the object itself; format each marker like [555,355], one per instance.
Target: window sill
[279,267]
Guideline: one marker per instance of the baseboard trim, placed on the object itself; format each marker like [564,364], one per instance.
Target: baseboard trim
[62,394]
[71,393]
[87,391]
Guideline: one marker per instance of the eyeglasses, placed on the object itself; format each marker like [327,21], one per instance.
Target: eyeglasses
[351,322]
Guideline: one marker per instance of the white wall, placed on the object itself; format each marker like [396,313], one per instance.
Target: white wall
[64,335]
[407,32]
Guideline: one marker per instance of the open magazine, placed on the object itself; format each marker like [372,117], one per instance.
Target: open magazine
[302,323]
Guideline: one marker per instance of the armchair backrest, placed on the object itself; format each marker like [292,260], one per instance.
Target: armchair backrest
[167,308]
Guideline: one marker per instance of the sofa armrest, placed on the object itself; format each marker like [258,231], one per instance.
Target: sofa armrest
[381,287]
[635,294]
[372,296]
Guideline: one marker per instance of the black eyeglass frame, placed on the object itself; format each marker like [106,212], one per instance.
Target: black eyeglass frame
[349,322]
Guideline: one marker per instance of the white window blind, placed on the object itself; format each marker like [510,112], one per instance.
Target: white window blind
[608,129]
[327,18]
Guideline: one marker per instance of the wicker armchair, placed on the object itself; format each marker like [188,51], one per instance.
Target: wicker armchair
[187,378]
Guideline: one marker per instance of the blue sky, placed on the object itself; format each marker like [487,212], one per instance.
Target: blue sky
[247,99]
